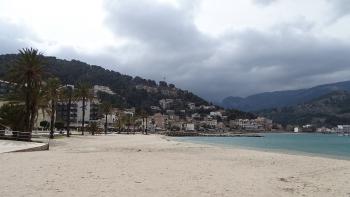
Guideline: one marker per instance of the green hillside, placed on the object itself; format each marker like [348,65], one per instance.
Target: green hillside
[130,91]
[328,110]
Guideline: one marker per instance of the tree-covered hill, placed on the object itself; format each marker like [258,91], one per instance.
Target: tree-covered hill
[328,110]
[130,91]
[280,99]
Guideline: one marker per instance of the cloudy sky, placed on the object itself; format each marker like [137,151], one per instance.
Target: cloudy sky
[215,48]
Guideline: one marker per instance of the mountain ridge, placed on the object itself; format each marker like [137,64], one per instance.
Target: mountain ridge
[268,100]
[130,91]
[327,110]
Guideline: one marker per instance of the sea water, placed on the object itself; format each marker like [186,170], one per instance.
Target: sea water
[328,145]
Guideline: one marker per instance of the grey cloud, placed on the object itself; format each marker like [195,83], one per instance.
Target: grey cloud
[162,25]
[264,2]
[14,37]
[340,8]
[163,36]
[166,42]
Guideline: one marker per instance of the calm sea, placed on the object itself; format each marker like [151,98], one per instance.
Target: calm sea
[328,145]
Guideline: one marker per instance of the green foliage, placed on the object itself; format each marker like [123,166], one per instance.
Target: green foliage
[328,110]
[45,124]
[11,115]
[93,128]
[71,72]
[106,108]
[27,73]
[236,114]
[59,125]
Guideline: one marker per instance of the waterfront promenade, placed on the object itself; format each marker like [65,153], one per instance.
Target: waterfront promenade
[13,146]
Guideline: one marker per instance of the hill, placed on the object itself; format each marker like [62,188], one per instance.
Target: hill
[130,91]
[328,110]
[278,99]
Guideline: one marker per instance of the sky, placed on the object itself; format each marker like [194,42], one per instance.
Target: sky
[214,48]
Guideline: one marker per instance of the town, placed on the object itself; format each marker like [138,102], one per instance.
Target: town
[170,115]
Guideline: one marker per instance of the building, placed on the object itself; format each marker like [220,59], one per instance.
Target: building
[130,111]
[158,120]
[196,116]
[155,108]
[189,127]
[265,122]
[111,118]
[215,114]
[76,112]
[105,89]
[5,88]
[191,106]
[343,129]
[166,103]
[246,124]
[206,107]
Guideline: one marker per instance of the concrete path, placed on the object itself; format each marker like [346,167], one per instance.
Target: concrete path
[11,146]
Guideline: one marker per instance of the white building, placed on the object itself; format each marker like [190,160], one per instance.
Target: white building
[166,103]
[76,112]
[343,128]
[189,127]
[105,89]
[215,114]
[296,129]
[191,106]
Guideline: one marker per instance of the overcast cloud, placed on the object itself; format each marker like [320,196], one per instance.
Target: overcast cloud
[213,49]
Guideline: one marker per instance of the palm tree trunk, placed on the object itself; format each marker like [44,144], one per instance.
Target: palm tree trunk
[68,114]
[106,126]
[52,124]
[32,117]
[146,126]
[143,125]
[27,103]
[83,119]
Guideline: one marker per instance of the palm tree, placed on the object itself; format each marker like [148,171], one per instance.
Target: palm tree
[130,121]
[93,128]
[106,109]
[51,92]
[67,96]
[27,75]
[120,121]
[84,93]
[143,114]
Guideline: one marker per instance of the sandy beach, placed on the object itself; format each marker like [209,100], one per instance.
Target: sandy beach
[139,165]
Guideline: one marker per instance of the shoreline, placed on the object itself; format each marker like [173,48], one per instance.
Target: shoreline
[262,149]
[154,165]
[265,150]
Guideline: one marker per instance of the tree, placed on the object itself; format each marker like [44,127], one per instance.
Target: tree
[142,114]
[11,115]
[45,124]
[93,128]
[67,96]
[121,121]
[51,93]
[84,93]
[59,125]
[106,109]
[129,121]
[27,75]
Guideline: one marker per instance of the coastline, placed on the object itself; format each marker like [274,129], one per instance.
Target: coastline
[258,149]
[154,165]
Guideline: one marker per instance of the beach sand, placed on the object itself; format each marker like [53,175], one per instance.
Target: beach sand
[138,165]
